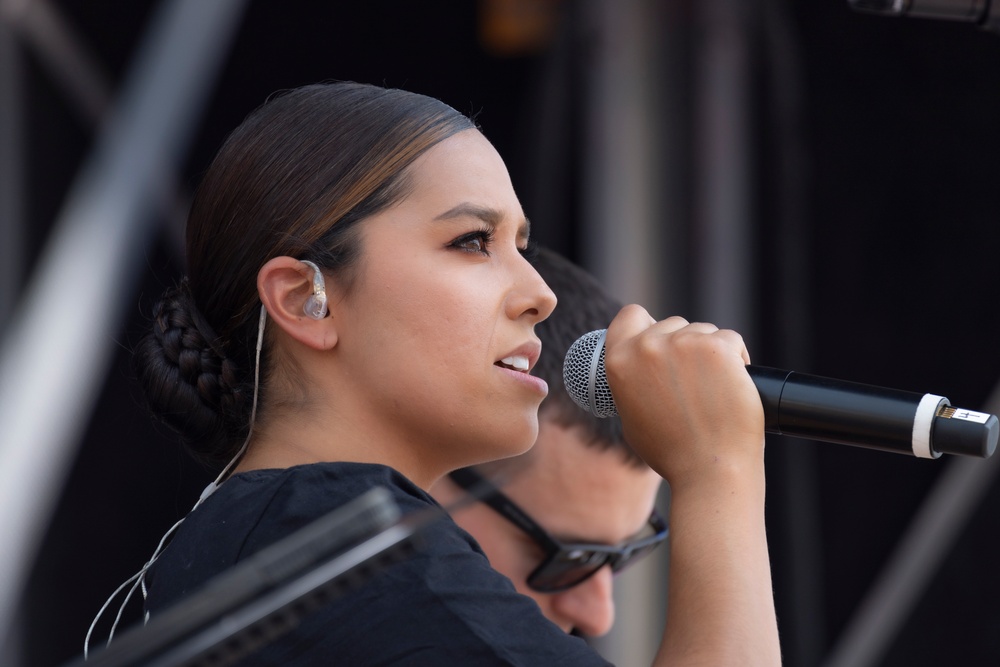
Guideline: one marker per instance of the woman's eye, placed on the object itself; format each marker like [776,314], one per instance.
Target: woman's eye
[478,242]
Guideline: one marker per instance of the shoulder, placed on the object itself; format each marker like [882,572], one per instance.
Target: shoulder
[252,510]
[268,505]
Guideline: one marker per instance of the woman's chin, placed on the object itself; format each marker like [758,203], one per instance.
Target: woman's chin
[516,446]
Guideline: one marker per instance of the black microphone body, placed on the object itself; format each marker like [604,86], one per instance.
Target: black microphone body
[818,408]
[851,413]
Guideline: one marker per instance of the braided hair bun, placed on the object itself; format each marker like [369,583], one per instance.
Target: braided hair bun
[188,380]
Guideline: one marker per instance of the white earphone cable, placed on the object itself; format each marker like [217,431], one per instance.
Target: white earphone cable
[138,580]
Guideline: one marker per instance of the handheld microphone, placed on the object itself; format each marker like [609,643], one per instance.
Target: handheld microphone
[818,408]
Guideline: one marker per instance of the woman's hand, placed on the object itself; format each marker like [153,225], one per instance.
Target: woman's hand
[686,401]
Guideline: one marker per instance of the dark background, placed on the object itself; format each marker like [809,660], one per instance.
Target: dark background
[898,144]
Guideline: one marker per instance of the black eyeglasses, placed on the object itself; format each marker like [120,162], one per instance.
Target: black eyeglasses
[564,565]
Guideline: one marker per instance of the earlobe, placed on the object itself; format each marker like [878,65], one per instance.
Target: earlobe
[294,293]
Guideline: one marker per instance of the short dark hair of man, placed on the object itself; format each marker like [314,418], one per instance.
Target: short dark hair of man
[584,305]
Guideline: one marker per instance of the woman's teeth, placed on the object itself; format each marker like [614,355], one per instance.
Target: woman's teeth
[517,363]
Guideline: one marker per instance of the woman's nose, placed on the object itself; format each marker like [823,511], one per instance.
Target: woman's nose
[530,296]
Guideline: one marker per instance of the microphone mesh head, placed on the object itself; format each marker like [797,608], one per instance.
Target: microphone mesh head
[584,375]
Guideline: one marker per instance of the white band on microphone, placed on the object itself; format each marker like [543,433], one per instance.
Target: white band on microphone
[922,422]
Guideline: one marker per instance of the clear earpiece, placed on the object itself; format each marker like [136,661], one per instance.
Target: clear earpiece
[315,306]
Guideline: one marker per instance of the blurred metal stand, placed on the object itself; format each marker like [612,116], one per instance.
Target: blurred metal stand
[44,32]
[58,345]
[795,490]
[636,222]
[621,217]
[723,243]
[625,234]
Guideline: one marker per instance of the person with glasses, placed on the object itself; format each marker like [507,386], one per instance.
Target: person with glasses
[578,507]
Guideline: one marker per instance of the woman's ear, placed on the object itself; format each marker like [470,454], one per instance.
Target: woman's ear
[290,290]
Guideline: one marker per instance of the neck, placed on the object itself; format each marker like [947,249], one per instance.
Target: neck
[283,443]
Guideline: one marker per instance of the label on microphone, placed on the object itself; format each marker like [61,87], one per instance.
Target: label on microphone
[971,415]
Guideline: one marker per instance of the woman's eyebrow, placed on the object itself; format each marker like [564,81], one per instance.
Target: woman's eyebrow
[491,216]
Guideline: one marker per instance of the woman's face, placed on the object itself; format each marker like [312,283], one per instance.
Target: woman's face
[435,337]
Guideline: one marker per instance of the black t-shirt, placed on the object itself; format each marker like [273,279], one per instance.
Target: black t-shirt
[444,605]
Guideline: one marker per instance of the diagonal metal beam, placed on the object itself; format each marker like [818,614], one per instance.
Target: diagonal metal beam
[46,34]
[56,351]
[41,27]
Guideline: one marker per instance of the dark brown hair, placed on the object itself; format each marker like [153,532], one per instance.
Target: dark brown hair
[293,179]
